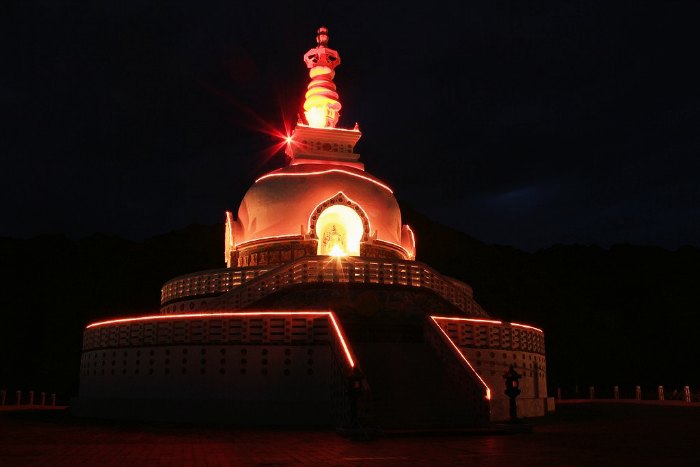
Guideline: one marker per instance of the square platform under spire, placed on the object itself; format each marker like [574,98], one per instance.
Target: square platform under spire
[331,145]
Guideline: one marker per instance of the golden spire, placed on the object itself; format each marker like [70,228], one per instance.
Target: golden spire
[321,107]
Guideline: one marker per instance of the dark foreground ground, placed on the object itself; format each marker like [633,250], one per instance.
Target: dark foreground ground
[579,434]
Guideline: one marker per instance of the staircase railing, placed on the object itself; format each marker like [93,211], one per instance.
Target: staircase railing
[463,375]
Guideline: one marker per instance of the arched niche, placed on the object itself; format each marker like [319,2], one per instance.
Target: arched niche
[340,225]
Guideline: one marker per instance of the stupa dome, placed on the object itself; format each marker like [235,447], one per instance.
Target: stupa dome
[310,204]
[284,201]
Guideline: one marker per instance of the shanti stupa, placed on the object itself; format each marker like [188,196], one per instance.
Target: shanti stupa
[322,315]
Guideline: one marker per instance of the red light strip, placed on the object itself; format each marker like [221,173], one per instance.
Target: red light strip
[489,321]
[464,357]
[329,314]
[273,237]
[301,174]
[527,327]
[339,333]
[473,320]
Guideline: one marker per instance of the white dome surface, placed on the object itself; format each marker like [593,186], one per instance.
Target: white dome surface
[281,202]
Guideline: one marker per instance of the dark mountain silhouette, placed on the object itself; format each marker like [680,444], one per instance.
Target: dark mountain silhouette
[625,315]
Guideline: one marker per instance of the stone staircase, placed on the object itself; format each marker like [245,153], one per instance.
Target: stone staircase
[410,389]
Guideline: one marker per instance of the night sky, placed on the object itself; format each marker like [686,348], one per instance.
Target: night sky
[521,124]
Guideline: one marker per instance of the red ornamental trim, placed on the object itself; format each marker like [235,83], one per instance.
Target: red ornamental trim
[331,316]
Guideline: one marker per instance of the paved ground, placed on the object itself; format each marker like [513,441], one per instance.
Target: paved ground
[579,434]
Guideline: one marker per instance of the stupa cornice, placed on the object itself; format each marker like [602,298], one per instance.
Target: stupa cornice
[332,144]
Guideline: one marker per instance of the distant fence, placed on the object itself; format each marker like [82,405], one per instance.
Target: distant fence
[640,393]
[27,399]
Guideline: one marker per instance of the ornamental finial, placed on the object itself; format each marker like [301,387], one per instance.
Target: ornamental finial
[321,107]
[322,36]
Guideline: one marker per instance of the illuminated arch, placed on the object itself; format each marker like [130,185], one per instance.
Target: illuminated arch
[339,198]
[339,230]
[340,225]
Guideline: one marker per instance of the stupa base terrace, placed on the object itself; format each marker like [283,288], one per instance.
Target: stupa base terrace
[404,347]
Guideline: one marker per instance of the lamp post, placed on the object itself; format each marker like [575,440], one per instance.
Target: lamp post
[512,378]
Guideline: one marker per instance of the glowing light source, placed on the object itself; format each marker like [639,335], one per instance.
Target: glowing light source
[322,172]
[341,336]
[464,357]
[352,203]
[230,243]
[337,251]
[321,107]
[331,316]
[527,327]
[317,117]
[472,320]
[339,230]
[488,321]
[413,241]
[475,320]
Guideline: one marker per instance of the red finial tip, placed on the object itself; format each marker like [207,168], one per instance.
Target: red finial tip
[322,36]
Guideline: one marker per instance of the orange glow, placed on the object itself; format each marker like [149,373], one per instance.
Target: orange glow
[322,107]
[229,226]
[369,226]
[413,237]
[322,172]
[229,242]
[464,357]
[408,241]
[317,117]
[337,251]
[274,237]
[408,255]
[339,230]
[329,314]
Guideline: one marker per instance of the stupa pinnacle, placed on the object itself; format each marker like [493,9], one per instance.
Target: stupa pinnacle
[318,139]
[322,108]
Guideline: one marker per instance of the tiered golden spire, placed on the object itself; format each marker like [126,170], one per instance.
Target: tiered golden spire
[322,107]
